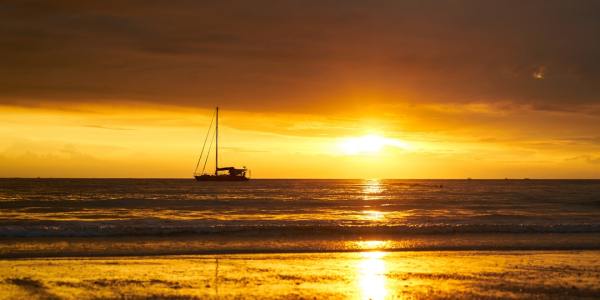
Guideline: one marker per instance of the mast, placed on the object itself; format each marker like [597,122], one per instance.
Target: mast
[217,144]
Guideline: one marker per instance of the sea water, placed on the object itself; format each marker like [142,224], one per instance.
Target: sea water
[184,216]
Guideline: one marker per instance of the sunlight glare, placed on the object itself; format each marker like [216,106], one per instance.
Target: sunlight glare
[371,245]
[371,276]
[369,144]
[373,215]
[372,189]
[372,186]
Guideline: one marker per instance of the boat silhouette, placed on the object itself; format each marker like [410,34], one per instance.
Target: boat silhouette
[221,173]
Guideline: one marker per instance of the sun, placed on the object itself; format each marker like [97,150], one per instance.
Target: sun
[368,144]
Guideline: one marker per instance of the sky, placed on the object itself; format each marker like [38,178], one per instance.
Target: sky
[307,89]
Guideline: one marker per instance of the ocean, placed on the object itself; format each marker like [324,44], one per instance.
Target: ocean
[299,239]
[95,217]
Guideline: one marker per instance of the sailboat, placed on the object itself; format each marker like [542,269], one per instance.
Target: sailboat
[221,173]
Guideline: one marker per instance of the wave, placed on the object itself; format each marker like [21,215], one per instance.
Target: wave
[233,229]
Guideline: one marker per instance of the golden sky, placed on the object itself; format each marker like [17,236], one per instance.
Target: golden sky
[308,89]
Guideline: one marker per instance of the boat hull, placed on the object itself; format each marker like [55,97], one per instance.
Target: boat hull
[221,178]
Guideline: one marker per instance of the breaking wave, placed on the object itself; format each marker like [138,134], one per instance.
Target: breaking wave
[269,229]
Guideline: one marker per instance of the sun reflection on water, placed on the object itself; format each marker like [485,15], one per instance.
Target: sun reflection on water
[373,215]
[371,190]
[370,245]
[372,186]
[372,276]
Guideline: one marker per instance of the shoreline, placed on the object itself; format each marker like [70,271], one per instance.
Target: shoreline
[291,252]
[47,247]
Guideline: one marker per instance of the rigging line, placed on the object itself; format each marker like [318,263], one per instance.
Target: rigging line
[208,153]
[203,145]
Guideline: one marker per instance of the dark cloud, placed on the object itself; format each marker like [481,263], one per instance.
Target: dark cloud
[284,55]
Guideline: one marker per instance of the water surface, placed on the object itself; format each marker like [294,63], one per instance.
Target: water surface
[186,216]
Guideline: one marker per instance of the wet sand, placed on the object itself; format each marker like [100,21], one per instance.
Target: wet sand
[351,275]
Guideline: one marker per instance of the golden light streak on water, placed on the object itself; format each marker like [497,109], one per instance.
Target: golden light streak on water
[371,273]
[372,186]
[373,215]
[370,245]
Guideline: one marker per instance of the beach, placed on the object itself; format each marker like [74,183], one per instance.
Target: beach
[356,275]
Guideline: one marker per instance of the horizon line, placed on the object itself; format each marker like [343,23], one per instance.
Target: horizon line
[307,178]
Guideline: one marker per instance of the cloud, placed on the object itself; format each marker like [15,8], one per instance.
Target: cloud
[590,159]
[106,127]
[301,55]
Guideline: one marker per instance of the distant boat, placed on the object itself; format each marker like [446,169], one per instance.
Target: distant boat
[223,173]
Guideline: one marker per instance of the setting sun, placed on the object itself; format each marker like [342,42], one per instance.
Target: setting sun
[369,144]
